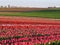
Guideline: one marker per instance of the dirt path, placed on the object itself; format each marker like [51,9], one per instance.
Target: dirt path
[28,20]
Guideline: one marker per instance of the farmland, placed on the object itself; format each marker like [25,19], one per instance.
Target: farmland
[29,31]
[31,12]
[40,13]
[30,27]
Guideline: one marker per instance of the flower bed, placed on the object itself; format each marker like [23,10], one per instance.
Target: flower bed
[29,34]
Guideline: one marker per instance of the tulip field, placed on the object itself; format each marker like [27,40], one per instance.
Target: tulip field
[29,27]
[29,31]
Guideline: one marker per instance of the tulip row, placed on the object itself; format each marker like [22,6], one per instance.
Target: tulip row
[28,34]
[34,40]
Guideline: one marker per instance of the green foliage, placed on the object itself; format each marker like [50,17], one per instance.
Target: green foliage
[39,35]
[43,14]
[53,43]
[47,35]
[6,38]
[47,43]
[42,44]
[37,44]
[58,43]
[16,37]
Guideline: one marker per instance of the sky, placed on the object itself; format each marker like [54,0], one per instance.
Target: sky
[31,3]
